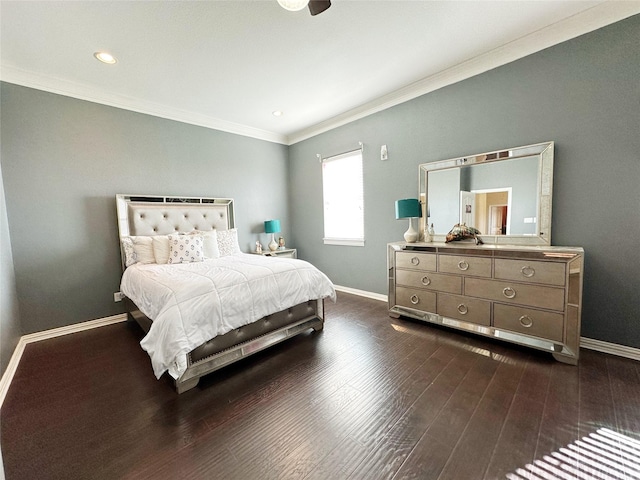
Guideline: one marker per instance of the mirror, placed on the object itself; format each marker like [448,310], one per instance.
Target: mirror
[505,194]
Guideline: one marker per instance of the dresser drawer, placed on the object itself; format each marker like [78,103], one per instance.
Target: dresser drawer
[416,298]
[475,266]
[466,309]
[429,280]
[516,293]
[420,261]
[541,324]
[548,273]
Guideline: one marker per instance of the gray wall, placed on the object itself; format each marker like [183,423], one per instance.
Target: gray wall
[63,162]
[9,313]
[583,94]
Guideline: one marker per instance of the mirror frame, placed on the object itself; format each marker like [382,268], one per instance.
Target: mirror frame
[544,152]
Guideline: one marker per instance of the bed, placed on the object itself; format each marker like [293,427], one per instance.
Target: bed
[202,303]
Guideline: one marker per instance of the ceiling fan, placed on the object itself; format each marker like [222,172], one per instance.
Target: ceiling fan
[315,6]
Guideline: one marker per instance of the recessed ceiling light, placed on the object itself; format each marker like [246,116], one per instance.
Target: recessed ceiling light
[105,57]
[277,113]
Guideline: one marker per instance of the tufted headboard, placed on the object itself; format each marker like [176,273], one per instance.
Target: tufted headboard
[161,215]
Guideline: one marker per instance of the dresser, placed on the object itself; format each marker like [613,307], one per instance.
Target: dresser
[529,295]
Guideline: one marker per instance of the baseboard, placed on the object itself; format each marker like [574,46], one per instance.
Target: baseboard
[7,377]
[12,367]
[76,327]
[362,293]
[611,348]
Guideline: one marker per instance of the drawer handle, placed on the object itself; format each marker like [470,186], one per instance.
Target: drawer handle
[528,271]
[509,292]
[426,281]
[526,321]
[462,309]
[463,265]
[415,261]
[414,299]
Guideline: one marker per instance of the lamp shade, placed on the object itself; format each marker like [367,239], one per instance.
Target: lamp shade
[272,226]
[408,208]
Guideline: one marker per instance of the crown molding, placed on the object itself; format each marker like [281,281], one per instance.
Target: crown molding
[80,91]
[599,16]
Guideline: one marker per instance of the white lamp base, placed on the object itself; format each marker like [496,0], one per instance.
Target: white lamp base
[273,246]
[411,235]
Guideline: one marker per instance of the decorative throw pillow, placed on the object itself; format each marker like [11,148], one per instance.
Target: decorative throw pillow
[161,249]
[185,248]
[228,242]
[129,250]
[144,249]
[210,243]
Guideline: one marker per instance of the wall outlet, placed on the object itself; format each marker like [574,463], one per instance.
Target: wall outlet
[118,296]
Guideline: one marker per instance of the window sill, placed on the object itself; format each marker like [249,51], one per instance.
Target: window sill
[344,241]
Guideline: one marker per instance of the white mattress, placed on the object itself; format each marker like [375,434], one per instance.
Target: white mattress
[194,302]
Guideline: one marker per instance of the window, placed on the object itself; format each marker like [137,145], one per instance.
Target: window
[343,197]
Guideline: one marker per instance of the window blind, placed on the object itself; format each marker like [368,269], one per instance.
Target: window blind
[343,198]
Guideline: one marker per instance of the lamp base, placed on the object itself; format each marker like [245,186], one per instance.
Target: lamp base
[411,235]
[273,246]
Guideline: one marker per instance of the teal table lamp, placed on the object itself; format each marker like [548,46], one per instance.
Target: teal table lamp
[272,227]
[409,208]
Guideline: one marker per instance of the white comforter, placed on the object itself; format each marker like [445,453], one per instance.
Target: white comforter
[194,302]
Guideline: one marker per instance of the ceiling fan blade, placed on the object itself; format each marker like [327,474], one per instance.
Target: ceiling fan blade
[318,6]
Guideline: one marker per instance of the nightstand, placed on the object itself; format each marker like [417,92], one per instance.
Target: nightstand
[284,253]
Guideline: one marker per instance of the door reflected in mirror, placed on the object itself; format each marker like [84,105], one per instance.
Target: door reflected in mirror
[487,210]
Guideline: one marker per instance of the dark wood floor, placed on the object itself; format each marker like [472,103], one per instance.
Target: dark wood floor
[368,398]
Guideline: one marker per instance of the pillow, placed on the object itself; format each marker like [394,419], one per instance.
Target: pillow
[161,248]
[228,242]
[142,247]
[210,243]
[185,248]
[130,256]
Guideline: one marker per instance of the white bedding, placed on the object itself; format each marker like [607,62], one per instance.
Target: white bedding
[193,302]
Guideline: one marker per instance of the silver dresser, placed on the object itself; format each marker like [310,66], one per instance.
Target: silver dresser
[530,295]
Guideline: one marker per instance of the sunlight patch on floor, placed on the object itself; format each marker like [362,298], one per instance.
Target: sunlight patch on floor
[602,455]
